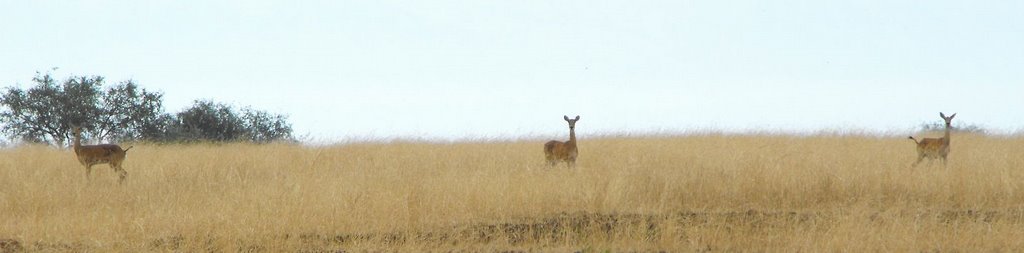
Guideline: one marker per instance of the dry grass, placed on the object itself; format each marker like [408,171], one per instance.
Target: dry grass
[689,193]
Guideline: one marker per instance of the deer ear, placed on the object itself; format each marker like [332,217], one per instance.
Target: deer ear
[577,117]
[951,116]
[942,115]
[565,117]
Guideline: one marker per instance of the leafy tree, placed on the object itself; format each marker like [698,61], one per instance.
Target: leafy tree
[47,111]
[957,127]
[210,121]
[264,127]
[132,113]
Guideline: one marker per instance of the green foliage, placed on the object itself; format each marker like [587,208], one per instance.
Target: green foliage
[210,121]
[264,127]
[957,127]
[131,113]
[207,121]
[47,111]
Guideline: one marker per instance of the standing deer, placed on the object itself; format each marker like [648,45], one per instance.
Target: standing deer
[556,151]
[934,147]
[90,155]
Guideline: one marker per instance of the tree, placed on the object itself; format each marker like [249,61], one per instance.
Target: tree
[210,121]
[264,127]
[132,113]
[47,111]
[957,127]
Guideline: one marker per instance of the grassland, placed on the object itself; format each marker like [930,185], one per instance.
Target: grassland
[674,193]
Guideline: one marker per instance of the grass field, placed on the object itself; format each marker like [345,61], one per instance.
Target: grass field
[711,192]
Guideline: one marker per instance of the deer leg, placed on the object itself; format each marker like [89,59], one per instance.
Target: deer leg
[919,158]
[88,172]
[121,174]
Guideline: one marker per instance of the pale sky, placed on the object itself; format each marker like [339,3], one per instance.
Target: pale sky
[508,69]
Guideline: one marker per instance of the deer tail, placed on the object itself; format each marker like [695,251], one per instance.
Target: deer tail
[912,138]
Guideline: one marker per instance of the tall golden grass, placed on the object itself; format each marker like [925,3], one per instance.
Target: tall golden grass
[707,192]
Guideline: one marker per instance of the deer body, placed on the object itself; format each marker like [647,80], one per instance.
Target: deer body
[557,151]
[934,148]
[89,155]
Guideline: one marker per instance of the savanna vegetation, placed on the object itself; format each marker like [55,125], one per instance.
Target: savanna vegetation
[48,110]
[213,179]
[688,193]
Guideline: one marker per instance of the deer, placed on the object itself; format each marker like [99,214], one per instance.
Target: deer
[557,151]
[933,148]
[89,155]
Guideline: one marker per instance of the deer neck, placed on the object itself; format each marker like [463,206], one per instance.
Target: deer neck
[572,137]
[945,137]
[78,142]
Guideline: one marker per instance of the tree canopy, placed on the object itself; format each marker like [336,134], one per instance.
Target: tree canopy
[48,110]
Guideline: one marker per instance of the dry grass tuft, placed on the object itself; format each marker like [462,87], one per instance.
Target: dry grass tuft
[689,193]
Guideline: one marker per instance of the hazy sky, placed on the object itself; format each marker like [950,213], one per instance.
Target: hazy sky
[459,69]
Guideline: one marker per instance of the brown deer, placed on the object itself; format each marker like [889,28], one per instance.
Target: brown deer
[935,147]
[557,151]
[90,155]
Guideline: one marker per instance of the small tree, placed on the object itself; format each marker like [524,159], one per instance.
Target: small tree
[957,127]
[132,113]
[264,127]
[208,121]
[47,111]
